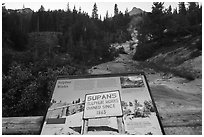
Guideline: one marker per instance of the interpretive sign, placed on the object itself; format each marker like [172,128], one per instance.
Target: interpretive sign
[102,104]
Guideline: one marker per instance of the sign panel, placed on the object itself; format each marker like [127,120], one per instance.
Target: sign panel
[100,98]
[102,105]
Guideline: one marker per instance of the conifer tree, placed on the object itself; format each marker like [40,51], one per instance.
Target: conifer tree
[79,9]
[74,10]
[175,11]
[192,6]
[193,13]
[68,7]
[182,8]
[126,11]
[169,10]
[41,8]
[115,10]
[107,16]
[156,17]
[94,11]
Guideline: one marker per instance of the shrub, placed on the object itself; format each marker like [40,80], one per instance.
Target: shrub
[121,50]
[143,52]
[28,94]
[199,44]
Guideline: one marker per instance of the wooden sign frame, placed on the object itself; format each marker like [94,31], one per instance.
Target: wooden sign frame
[119,118]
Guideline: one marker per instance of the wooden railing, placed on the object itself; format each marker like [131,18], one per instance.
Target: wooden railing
[22,125]
[32,126]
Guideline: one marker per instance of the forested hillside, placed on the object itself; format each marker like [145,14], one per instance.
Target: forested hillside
[170,40]
[39,46]
[164,28]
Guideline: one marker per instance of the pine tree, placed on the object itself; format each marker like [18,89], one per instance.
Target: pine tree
[193,13]
[82,50]
[182,8]
[156,17]
[74,10]
[41,8]
[94,11]
[175,11]
[115,10]
[68,7]
[169,10]
[79,9]
[126,11]
[157,8]
[192,6]
[70,43]
[107,16]
[3,6]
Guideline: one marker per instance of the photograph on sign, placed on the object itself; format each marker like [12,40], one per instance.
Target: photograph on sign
[131,82]
[110,105]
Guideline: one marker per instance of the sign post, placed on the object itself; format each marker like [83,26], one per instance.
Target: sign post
[84,128]
[104,104]
[120,123]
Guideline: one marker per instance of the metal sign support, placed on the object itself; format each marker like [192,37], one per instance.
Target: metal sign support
[120,122]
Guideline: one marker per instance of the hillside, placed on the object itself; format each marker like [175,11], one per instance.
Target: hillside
[166,44]
[171,58]
[183,59]
[44,42]
[175,77]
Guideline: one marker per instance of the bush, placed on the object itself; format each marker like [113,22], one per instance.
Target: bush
[196,30]
[199,44]
[7,58]
[25,93]
[13,86]
[143,52]
[121,50]
[20,39]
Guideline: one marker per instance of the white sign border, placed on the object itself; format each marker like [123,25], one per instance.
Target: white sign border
[99,93]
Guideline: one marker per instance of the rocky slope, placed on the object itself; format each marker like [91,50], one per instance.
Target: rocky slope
[136,11]
[178,100]
[184,59]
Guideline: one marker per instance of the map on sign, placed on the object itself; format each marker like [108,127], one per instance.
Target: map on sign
[101,99]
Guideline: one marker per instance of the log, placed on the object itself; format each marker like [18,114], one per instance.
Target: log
[22,125]
[32,126]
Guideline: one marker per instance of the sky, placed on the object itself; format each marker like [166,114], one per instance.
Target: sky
[103,6]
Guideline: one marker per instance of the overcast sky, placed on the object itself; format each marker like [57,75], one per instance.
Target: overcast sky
[87,6]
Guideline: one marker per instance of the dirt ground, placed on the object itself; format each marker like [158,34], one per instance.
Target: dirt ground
[179,101]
